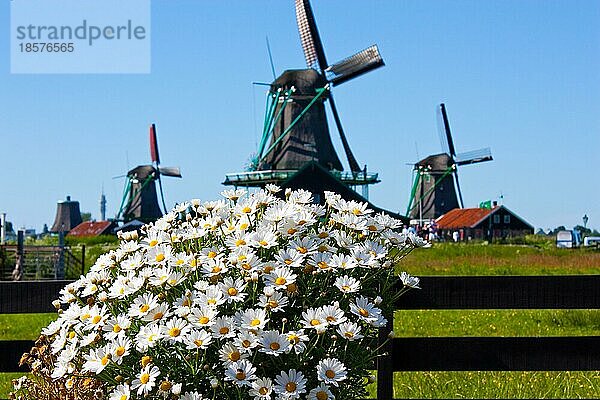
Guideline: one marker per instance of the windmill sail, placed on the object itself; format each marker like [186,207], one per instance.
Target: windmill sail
[450,142]
[309,36]
[353,66]
[474,156]
[154,145]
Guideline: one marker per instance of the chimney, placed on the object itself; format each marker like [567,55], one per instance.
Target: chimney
[495,203]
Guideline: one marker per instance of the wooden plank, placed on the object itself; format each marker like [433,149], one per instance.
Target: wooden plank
[10,354]
[579,353]
[504,292]
[385,372]
[29,296]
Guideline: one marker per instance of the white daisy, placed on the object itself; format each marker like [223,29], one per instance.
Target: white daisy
[198,339]
[273,343]
[321,392]
[233,289]
[175,329]
[347,284]
[121,392]
[241,373]
[261,389]
[146,380]
[331,371]
[280,278]
[254,319]
[350,331]
[290,384]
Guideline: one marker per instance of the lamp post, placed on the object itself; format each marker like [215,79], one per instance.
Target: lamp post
[585,220]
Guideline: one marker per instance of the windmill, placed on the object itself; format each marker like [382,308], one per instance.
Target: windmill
[140,198]
[436,188]
[295,129]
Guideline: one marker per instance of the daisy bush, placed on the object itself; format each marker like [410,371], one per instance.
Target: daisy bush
[261,296]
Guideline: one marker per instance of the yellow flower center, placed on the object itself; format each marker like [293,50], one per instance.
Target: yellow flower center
[240,375]
[104,360]
[323,235]
[356,211]
[159,257]
[204,320]
[323,248]
[330,374]
[243,227]
[322,265]
[212,301]
[186,302]
[71,335]
[301,222]
[174,332]
[232,291]
[263,390]
[372,228]
[288,261]
[165,385]
[315,322]
[274,346]
[246,267]
[117,328]
[272,304]
[294,338]
[280,281]
[246,343]
[123,397]
[198,342]
[144,378]
[290,387]
[240,242]
[120,351]
[268,269]
[158,315]
[179,262]
[255,322]
[235,356]
[291,231]
[263,242]
[345,288]
[322,395]
[211,254]
[144,307]
[85,316]
[96,319]
[153,243]
[224,330]
[292,288]
[331,318]
[302,249]
[193,263]
[363,312]
[246,210]
[349,334]
[216,269]
[146,360]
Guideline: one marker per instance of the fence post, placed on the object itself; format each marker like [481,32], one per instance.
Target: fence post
[60,266]
[82,259]
[385,368]
[17,273]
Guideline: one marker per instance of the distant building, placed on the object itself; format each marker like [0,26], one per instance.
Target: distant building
[93,228]
[482,223]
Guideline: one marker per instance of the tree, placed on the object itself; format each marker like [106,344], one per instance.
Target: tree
[583,230]
[86,216]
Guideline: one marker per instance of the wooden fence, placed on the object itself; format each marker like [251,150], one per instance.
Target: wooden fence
[579,353]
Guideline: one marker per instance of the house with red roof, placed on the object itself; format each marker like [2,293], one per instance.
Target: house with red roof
[93,228]
[497,222]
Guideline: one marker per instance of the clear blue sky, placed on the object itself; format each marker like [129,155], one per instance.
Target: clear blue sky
[522,77]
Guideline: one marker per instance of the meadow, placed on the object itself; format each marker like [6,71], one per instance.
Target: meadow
[533,258]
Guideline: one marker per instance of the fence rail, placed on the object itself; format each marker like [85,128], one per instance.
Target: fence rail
[423,353]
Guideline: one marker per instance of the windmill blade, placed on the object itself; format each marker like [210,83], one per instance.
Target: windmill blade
[473,157]
[353,66]
[450,142]
[154,145]
[170,171]
[460,198]
[354,167]
[309,36]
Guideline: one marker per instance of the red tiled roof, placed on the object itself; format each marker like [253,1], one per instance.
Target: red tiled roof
[462,218]
[91,228]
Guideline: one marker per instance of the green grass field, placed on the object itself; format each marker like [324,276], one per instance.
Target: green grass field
[451,259]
